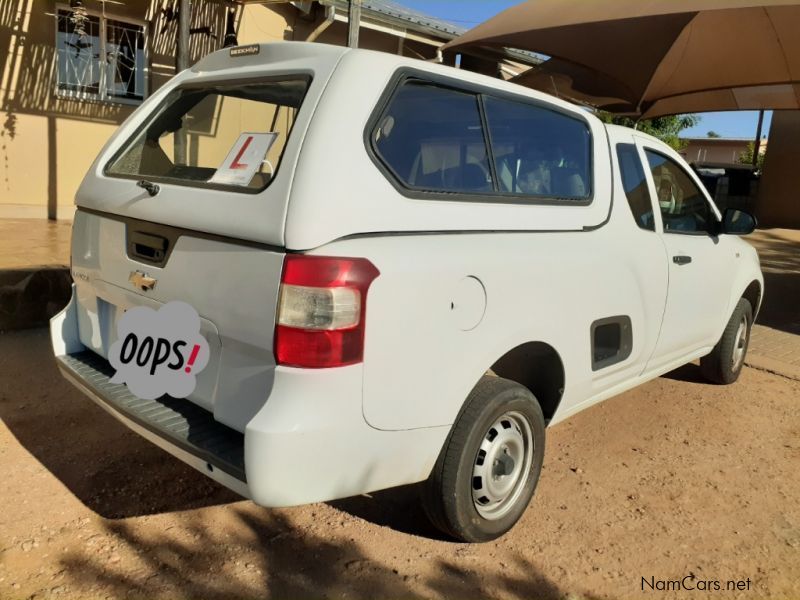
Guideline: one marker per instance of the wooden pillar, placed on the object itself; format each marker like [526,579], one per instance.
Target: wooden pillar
[181,64]
[353,23]
[52,169]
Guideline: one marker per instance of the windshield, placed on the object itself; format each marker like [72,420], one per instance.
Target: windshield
[230,135]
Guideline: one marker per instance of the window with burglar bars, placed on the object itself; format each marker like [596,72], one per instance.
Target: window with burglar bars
[100,57]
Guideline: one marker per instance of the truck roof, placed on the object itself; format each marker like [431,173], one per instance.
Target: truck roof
[623,129]
[263,54]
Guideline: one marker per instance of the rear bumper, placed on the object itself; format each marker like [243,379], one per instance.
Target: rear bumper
[309,442]
[179,426]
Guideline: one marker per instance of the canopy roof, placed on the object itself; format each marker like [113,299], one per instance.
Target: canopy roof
[656,57]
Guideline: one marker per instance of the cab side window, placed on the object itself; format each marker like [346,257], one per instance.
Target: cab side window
[635,185]
[684,208]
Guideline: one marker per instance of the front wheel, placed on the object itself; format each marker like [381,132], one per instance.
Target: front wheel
[726,360]
[489,466]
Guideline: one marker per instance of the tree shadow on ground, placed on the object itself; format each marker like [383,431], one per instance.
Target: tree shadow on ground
[263,554]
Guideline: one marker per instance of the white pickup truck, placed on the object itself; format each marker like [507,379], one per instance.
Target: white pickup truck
[416,271]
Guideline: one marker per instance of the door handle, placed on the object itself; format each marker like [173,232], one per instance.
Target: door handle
[681,259]
[152,248]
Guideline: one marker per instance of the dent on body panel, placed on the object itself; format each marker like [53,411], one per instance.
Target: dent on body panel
[85,244]
[87,232]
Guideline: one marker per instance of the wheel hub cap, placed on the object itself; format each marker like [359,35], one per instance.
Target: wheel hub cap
[502,465]
[740,343]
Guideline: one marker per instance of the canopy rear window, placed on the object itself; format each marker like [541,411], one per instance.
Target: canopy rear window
[229,135]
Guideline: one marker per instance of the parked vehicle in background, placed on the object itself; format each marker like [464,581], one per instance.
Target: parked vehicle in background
[422,270]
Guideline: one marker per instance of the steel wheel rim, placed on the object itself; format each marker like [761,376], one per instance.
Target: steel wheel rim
[502,464]
[740,343]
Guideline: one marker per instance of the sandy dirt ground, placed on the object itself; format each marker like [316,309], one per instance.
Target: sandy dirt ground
[675,479]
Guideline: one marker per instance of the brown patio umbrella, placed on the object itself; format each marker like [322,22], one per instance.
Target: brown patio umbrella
[656,57]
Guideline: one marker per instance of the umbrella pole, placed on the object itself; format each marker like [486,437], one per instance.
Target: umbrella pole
[757,143]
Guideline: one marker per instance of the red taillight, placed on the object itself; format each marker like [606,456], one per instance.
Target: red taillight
[321,311]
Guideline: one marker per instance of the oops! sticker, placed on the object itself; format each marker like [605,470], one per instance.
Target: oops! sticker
[160,351]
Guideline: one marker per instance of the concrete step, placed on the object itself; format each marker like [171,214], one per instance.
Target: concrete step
[30,296]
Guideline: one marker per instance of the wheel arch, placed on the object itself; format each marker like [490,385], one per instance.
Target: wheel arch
[537,366]
[753,294]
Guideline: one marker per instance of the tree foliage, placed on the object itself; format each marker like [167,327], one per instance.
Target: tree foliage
[713,134]
[746,157]
[667,129]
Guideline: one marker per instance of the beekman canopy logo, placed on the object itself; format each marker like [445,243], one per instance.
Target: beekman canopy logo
[160,351]
[245,50]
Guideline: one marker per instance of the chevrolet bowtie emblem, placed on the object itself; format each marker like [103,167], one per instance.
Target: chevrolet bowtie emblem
[142,280]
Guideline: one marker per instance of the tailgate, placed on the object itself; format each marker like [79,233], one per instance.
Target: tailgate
[233,285]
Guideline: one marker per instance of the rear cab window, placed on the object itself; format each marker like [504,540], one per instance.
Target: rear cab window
[445,141]
[229,136]
[635,185]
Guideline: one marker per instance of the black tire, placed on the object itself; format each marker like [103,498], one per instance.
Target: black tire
[722,366]
[448,493]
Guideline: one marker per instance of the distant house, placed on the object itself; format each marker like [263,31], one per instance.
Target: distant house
[717,152]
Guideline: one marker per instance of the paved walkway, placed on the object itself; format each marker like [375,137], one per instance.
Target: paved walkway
[27,244]
[775,341]
[774,351]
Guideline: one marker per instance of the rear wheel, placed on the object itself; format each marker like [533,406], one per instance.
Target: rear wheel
[725,362]
[489,466]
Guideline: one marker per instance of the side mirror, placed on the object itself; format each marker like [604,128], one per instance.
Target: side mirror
[738,222]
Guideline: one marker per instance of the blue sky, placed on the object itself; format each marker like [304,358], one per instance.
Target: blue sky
[469,13]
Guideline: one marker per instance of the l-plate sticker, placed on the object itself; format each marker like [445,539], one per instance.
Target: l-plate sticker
[244,159]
